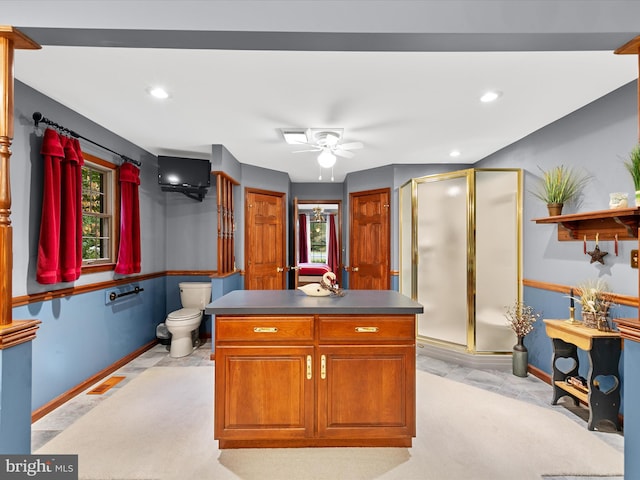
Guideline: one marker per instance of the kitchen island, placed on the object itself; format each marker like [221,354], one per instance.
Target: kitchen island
[299,371]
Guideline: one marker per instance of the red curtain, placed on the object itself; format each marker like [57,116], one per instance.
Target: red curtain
[48,270]
[332,252]
[60,243]
[303,256]
[129,251]
[71,211]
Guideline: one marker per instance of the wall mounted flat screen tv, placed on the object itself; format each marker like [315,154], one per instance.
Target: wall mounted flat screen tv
[184,174]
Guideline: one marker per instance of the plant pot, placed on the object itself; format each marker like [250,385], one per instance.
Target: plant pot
[589,319]
[555,209]
[637,198]
[520,359]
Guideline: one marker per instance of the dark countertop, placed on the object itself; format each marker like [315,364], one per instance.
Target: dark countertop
[292,302]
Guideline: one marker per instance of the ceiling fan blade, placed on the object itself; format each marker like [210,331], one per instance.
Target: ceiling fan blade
[351,146]
[344,153]
[312,150]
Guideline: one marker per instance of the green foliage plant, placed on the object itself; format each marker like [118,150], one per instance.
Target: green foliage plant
[633,166]
[560,184]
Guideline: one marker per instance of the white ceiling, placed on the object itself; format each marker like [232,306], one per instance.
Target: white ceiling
[406,107]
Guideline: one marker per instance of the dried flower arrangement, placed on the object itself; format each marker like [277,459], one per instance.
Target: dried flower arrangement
[594,296]
[595,301]
[521,317]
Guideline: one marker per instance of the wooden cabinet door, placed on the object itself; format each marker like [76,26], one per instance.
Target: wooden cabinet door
[265,241]
[366,392]
[264,393]
[369,244]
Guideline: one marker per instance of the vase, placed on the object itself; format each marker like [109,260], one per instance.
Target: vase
[619,200]
[637,198]
[520,358]
[554,209]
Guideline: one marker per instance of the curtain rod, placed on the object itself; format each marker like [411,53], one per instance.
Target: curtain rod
[38,117]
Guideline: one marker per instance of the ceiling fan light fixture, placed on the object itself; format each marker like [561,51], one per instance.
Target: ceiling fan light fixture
[326,159]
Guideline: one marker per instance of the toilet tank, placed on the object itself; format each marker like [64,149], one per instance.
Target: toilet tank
[195,294]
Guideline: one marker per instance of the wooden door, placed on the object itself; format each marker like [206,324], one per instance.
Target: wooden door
[366,392]
[264,393]
[264,250]
[369,240]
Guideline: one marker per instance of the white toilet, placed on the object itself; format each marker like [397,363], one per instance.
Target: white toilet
[194,296]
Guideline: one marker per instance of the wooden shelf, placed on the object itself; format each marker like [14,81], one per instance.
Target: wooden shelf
[623,222]
[579,394]
[629,328]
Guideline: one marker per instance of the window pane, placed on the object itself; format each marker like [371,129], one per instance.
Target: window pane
[318,242]
[96,220]
[90,249]
[90,226]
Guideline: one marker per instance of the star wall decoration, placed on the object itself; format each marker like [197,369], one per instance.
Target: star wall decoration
[597,255]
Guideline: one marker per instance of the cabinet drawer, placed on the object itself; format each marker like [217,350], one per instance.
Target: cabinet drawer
[367,328]
[264,329]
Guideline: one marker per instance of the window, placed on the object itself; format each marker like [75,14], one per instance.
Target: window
[99,217]
[318,241]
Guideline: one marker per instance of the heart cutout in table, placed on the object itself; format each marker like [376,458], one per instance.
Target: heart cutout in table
[606,383]
[566,365]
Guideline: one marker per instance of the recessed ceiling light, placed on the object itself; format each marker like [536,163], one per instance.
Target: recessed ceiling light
[158,92]
[490,96]
[454,153]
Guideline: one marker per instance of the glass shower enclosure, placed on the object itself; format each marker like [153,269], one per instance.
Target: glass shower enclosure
[460,256]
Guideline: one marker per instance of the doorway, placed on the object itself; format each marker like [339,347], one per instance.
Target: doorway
[317,245]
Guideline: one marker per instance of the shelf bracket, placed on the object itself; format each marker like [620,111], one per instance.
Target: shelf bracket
[570,227]
[630,225]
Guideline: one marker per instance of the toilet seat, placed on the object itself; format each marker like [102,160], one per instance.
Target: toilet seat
[184,314]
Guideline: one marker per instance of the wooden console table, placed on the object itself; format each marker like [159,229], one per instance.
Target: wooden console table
[603,350]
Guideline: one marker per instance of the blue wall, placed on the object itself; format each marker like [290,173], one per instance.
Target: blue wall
[84,334]
[631,355]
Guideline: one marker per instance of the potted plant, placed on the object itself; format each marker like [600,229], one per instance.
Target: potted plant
[633,167]
[558,186]
[520,318]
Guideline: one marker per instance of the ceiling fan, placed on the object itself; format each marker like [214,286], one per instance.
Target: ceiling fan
[325,141]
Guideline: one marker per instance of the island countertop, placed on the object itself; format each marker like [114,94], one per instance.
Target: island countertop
[289,302]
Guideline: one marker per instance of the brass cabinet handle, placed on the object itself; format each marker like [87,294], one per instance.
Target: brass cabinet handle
[354,269]
[309,370]
[323,367]
[367,329]
[265,329]
[279,269]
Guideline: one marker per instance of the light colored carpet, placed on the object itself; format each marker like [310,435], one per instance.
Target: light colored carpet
[160,426]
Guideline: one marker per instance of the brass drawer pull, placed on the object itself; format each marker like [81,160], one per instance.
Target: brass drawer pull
[367,329]
[265,329]
[323,367]
[309,367]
